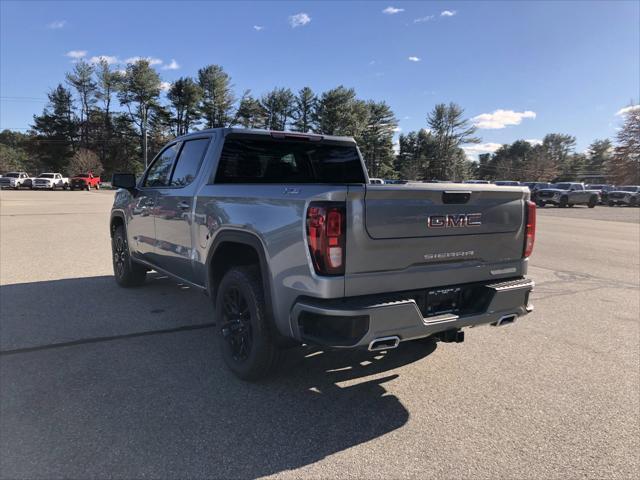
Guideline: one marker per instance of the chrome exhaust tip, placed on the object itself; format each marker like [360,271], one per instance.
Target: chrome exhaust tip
[384,343]
[506,320]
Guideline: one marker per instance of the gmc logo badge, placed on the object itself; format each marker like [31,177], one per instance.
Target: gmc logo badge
[456,220]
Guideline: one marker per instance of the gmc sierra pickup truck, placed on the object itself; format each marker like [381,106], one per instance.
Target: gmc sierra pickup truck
[293,244]
[567,194]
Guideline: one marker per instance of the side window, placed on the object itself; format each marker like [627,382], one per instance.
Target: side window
[188,162]
[159,173]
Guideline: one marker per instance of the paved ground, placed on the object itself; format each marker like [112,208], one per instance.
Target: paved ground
[97,381]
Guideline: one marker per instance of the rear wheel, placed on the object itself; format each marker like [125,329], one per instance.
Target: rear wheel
[127,272]
[540,203]
[97,186]
[593,201]
[243,332]
[610,203]
[564,201]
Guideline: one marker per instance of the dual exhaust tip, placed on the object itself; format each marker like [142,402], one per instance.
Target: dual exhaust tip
[388,343]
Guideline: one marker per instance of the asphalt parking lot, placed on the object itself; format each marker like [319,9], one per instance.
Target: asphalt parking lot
[97,381]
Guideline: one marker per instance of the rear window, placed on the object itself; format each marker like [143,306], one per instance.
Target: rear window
[265,160]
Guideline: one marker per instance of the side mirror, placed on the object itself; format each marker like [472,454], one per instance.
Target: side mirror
[124,180]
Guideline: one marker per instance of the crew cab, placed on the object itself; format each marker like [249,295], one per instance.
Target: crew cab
[84,181]
[51,181]
[567,194]
[15,180]
[626,195]
[294,245]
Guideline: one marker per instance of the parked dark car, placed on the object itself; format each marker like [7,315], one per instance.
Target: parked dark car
[603,189]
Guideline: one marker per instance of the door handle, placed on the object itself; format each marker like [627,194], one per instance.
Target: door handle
[184,205]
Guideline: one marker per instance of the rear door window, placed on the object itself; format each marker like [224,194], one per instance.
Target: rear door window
[245,159]
[160,171]
[188,162]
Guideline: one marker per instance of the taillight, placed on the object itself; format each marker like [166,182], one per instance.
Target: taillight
[530,231]
[326,237]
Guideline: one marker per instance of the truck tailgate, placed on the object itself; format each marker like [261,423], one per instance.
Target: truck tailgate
[420,235]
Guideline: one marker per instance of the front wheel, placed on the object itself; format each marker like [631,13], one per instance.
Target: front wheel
[97,186]
[564,201]
[126,271]
[243,332]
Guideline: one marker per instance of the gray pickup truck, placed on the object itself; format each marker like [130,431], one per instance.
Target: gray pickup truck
[293,244]
[567,194]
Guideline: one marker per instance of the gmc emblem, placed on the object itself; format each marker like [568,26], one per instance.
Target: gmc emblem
[456,220]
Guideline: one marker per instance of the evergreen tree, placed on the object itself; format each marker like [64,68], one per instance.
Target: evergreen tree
[305,105]
[250,113]
[140,93]
[599,154]
[217,97]
[185,95]
[376,139]
[108,82]
[339,112]
[624,165]
[450,130]
[278,107]
[81,78]
[55,130]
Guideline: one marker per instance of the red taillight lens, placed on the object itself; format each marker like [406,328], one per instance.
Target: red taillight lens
[326,237]
[530,231]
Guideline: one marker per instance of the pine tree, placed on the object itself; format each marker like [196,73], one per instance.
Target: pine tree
[217,97]
[278,106]
[140,93]
[624,165]
[185,96]
[82,80]
[305,105]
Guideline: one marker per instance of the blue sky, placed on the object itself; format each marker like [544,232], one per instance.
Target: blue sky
[520,69]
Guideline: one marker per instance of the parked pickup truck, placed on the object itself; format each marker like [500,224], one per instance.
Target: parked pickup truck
[567,195]
[16,180]
[84,181]
[626,195]
[294,245]
[51,181]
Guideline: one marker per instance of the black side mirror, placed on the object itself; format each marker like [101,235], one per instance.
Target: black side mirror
[124,180]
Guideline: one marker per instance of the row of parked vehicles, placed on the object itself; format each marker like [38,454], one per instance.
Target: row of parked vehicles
[563,194]
[50,181]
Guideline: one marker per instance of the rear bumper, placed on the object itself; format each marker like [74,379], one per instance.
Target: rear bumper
[356,322]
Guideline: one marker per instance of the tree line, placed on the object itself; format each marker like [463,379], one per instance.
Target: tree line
[110,120]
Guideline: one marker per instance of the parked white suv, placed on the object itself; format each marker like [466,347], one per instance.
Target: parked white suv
[51,181]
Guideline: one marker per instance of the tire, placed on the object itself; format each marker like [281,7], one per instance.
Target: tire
[88,187]
[564,201]
[97,186]
[540,203]
[611,203]
[244,335]
[593,201]
[126,272]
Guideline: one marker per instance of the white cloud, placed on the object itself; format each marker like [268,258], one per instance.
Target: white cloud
[413,59]
[473,151]
[534,141]
[625,110]
[423,19]
[501,118]
[448,13]
[76,54]
[257,28]
[152,61]
[107,58]
[299,20]
[392,10]
[165,86]
[57,24]
[171,66]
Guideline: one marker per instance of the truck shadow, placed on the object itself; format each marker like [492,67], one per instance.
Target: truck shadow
[84,394]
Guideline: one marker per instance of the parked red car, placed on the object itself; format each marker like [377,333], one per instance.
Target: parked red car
[84,181]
